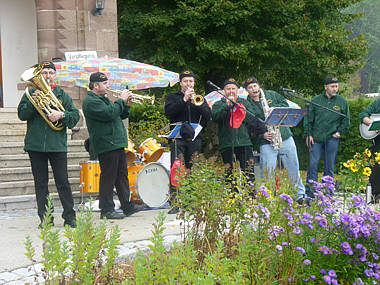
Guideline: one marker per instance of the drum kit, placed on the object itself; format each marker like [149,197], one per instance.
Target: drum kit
[149,181]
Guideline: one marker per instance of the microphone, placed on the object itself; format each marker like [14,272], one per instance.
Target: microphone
[287,90]
[214,86]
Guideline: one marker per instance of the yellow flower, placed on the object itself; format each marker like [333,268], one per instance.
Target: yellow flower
[354,168]
[367,152]
[367,171]
[377,157]
[357,155]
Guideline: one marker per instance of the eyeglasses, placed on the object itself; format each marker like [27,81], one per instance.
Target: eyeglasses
[47,72]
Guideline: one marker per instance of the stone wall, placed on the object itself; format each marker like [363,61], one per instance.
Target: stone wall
[68,25]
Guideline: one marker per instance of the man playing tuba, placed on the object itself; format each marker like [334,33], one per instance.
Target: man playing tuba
[44,144]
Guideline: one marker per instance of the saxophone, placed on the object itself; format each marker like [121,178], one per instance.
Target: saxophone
[277,140]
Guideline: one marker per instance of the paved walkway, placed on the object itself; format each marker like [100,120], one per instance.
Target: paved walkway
[16,225]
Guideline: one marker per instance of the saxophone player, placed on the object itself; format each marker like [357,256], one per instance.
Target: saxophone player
[277,140]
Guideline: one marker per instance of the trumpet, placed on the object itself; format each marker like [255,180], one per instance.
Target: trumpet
[136,98]
[197,100]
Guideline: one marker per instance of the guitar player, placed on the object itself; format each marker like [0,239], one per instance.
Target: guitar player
[365,118]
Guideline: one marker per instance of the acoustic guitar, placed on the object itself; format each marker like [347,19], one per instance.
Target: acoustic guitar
[364,129]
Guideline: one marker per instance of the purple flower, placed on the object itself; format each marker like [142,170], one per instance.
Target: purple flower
[279,247]
[328,179]
[297,230]
[332,273]
[301,249]
[322,271]
[286,197]
[285,243]
[327,279]
[307,262]
[368,272]
[324,249]
[359,246]
[334,281]
[375,256]
[346,248]
[358,281]
[274,232]
[312,276]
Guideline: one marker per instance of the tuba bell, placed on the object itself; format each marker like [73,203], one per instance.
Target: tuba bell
[46,101]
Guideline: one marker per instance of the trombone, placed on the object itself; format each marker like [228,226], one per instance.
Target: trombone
[136,98]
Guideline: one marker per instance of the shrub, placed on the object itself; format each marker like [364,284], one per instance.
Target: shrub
[87,255]
[232,238]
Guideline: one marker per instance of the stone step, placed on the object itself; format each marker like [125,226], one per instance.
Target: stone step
[26,187]
[8,113]
[17,135]
[22,160]
[25,173]
[11,135]
[18,202]
[12,124]
[18,147]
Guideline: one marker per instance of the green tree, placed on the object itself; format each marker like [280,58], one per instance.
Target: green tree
[283,43]
[369,25]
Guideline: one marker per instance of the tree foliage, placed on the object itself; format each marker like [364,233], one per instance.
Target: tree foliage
[369,25]
[292,43]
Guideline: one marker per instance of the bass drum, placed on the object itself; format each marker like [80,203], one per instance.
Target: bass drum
[149,184]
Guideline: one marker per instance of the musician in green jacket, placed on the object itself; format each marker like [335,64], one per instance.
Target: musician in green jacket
[44,145]
[365,117]
[276,140]
[233,139]
[323,130]
[108,138]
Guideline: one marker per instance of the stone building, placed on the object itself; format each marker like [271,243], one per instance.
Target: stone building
[35,30]
[32,31]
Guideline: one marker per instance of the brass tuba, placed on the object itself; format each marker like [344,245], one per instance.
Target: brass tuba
[46,101]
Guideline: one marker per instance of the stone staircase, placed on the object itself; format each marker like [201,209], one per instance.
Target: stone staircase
[16,179]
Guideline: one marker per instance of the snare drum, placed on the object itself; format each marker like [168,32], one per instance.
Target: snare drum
[130,152]
[89,176]
[150,150]
[149,184]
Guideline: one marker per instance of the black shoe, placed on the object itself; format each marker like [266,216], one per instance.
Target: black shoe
[300,201]
[70,223]
[304,202]
[133,209]
[173,210]
[112,215]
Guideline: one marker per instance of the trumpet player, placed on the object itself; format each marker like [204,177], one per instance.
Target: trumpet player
[44,144]
[184,106]
[108,138]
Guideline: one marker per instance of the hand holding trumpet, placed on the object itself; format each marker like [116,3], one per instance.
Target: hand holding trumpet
[126,95]
[189,94]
